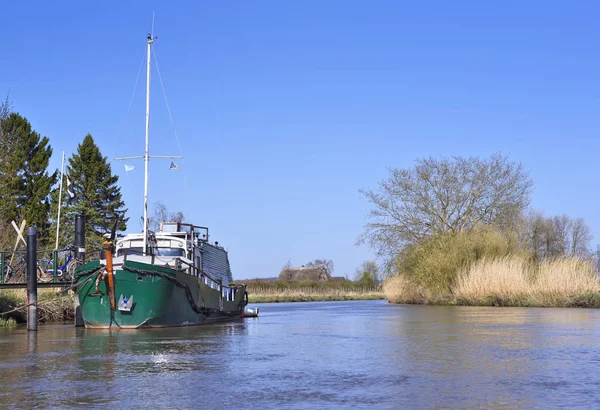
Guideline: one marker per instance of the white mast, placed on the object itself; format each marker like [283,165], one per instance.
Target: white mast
[62,172]
[147,155]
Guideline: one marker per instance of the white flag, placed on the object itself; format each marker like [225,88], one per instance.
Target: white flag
[129,168]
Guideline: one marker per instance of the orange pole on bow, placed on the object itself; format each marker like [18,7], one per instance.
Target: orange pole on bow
[109,275]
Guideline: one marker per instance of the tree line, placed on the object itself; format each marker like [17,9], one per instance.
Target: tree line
[31,191]
[435,198]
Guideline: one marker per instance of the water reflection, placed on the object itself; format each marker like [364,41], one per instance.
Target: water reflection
[361,354]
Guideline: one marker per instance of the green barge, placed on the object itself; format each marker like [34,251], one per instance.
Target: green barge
[181,280]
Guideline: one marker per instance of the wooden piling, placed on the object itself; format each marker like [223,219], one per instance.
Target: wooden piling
[80,237]
[80,254]
[32,319]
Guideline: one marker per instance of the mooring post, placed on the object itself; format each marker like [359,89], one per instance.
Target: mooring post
[78,315]
[32,278]
[80,254]
[80,237]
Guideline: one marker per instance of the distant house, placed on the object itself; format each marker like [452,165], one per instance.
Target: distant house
[304,273]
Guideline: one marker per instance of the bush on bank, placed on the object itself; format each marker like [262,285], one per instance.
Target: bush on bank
[433,266]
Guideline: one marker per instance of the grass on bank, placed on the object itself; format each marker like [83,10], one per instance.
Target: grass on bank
[508,281]
[10,322]
[308,291]
[51,306]
[515,282]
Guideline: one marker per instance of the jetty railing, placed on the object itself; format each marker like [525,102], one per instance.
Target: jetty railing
[52,265]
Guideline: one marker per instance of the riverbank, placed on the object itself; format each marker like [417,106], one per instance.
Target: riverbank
[310,291]
[52,307]
[509,281]
[298,296]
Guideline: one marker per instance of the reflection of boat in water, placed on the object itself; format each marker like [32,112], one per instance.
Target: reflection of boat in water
[173,277]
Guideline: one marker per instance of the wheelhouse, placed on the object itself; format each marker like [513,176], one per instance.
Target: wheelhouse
[175,239]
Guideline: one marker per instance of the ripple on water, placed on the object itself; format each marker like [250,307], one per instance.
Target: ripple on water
[312,355]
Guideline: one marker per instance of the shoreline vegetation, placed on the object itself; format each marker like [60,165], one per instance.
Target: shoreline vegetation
[459,231]
[310,291]
[52,307]
[509,281]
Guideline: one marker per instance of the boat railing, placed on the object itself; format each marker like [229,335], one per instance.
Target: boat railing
[196,232]
[197,270]
[182,264]
[209,280]
[187,263]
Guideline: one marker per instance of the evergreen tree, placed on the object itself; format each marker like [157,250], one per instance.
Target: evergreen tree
[5,110]
[97,196]
[25,182]
[6,231]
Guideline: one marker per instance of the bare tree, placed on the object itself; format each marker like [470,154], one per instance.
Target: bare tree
[370,268]
[176,217]
[162,214]
[447,195]
[535,233]
[596,259]
[581,235]
[561,226]
[548,237]
[324,263]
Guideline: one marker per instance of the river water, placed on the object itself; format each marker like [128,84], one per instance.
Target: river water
[360,354]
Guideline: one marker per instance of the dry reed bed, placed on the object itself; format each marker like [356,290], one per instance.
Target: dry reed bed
[274,293]
[510,281]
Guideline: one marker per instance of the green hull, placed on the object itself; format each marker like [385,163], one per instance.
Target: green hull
[160,298]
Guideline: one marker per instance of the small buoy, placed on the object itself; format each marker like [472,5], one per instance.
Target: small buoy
[249,312]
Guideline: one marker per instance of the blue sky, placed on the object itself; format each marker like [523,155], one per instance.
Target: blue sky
[285,109]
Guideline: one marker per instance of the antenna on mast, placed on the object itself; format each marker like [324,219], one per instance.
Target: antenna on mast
[152,32]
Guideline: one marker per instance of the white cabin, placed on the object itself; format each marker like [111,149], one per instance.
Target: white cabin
[178,245]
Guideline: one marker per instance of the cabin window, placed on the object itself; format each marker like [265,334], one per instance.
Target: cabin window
[130,251]
[211,283]
[170,252]
[228,294]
